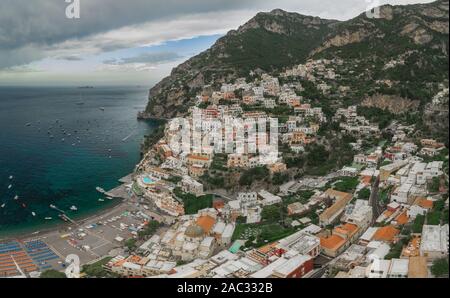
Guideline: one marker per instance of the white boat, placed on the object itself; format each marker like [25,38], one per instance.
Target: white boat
[53,206]
[9,186]
[48,218]
[102,108]
[100,190]
[11,177]
[3,205]
[16,197]
[32,213]
[101,200]
[73,208]
[109,198]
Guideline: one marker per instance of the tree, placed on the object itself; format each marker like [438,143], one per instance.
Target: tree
[271,213]
[96,270]
[364,194]
[52,274]
[149,230]
[130,244]
[418,224]
[434,184]
[440,267]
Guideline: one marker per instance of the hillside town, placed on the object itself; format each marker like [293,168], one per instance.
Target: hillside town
[237,202]
[382,215]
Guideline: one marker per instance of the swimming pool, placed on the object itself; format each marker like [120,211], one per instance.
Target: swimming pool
[147,180]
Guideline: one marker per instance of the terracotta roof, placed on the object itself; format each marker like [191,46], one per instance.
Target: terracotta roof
[417,267]
[387,234]
[338,194]
[198,157]
[332,243]
[402,218]
[366,180]
[267,248]
[388,213]
[206,223]
[424,203]
[336,207]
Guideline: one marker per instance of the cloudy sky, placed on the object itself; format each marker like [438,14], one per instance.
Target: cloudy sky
[128,42]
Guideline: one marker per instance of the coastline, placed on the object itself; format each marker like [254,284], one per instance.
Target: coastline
[63,226]
[119,202]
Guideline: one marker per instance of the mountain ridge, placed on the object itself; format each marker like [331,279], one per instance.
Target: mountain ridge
[271,41]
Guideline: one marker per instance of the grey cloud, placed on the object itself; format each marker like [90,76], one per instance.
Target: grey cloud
[70,58]
[41,24]
[152,58]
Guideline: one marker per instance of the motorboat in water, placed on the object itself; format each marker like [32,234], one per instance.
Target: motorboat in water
[73,208]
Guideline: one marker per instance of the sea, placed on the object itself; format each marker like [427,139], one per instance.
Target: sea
[58,144]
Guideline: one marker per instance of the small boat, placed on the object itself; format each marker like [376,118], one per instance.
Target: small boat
[3,205]
[101,200]
[109,198]
[11,177]
[73,208]
[16,197]
[53,206]
[100,190]
[9,186]
[28,124]
[63,217]
[48,218]
[32,213]
[102,109]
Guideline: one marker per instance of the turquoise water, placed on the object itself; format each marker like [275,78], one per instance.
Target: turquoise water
[147,180]
[59,144]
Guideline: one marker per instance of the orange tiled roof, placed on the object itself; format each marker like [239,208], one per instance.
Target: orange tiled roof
[424,203]
[198,157]
[134,259]
[332,243]
[402,218]
[206,223]
[119,263]
[388,213]
[366,180]
[417,267]
[387,233]
[267,248]
[351,228]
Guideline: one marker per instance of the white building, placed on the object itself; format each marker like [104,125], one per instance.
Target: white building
[268,199]
[434,241]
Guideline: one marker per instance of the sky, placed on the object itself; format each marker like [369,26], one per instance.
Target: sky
[132,42]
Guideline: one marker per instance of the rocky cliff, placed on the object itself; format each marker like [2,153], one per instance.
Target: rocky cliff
[415,35]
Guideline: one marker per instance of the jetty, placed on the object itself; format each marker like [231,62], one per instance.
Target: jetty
[120,192]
